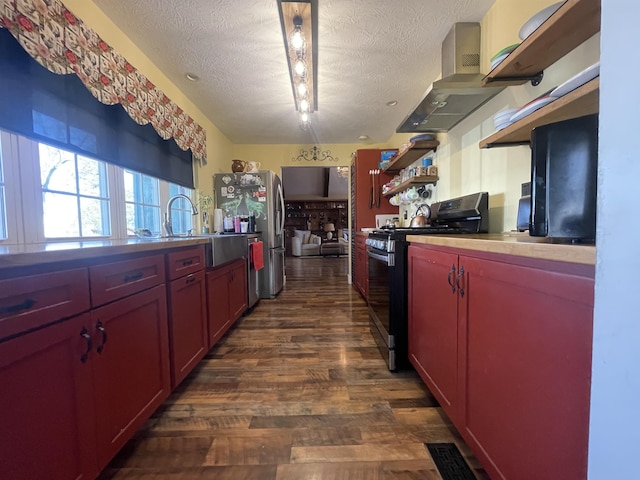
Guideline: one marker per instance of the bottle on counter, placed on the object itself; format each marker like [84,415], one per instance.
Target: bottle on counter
[236,224]
[227,223]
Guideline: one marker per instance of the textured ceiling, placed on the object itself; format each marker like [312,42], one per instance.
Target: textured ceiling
[369,52]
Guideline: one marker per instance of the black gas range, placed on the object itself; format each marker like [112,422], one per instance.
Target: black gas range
[387,250]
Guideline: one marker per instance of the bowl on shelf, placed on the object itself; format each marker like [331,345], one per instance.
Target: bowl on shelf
[498,58]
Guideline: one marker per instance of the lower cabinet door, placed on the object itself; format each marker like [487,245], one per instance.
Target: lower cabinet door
[46,404]
[131,366]
[433,323]
[238,289]
[187,324]
[219,316]
[525,369]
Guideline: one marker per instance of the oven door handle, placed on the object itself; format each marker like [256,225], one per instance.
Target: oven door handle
[389,259]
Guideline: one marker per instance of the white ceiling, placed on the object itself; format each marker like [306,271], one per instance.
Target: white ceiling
[369,52]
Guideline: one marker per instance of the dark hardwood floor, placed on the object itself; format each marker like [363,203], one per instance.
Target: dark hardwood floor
[297,390]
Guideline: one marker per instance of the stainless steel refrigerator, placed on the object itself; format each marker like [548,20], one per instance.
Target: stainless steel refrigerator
[258,194]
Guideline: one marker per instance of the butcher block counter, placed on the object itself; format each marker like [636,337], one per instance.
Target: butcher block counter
[517,244]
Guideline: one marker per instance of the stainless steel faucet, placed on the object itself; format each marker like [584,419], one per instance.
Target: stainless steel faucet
[167,215]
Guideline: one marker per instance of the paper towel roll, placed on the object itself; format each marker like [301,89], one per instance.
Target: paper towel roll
[218,226]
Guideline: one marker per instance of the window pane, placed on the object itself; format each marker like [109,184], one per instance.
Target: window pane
[129,180]
[92,212]
[181,213]
[151,219]
[150,191]
[75,194]
[92,177]
[142,194]
[60,215]
[57,169]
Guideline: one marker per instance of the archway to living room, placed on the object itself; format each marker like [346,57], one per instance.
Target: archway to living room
[316,211]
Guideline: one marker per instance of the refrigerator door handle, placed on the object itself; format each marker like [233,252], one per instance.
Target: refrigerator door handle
[281,213]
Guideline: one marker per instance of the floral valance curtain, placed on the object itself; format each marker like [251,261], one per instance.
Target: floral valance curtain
[63,44]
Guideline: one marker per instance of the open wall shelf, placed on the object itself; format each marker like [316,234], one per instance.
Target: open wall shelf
[572,24]
[584,100]
[415,151]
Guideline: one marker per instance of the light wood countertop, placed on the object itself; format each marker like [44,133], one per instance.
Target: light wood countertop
[513,244]
[27,255]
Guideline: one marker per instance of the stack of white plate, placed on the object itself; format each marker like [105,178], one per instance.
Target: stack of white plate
[532,106]
[538,19]
[503,119]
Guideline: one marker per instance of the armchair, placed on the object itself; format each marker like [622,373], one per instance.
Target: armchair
[343,241]
[304,242]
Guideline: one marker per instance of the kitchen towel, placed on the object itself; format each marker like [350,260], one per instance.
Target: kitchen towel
[257,255]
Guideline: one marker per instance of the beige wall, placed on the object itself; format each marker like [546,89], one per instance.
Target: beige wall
[463,167]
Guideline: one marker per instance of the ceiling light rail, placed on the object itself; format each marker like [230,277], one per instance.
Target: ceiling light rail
[299,23]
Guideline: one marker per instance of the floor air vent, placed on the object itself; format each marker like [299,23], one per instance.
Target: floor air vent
[449,461]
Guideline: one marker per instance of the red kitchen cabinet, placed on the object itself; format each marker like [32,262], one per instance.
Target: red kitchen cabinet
[33,301]
[505,345]
[238,289]
[46,405]
[367,201]
[226,297]
[433,324]
[187,324]
[130,366]
[525,368]
[367,189]
[187,311]
[361,277]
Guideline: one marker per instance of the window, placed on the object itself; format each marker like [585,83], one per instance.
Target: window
[145,197]
[50,194]
[75,194]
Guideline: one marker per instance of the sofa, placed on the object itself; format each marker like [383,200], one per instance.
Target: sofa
[305,243]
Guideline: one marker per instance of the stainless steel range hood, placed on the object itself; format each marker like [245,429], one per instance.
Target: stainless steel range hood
[459,93]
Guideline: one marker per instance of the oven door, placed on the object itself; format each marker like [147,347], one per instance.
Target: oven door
[380,273]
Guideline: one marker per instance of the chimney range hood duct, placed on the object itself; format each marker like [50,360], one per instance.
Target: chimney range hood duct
[460,92]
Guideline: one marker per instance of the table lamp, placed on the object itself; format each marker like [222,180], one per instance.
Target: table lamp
[329,228]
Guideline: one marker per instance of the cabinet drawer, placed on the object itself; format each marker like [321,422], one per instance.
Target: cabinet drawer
[185,262]
[112,281]
[36,300]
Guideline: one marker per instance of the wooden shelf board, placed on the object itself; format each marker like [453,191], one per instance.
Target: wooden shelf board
[406,158]
[584,100]
[572,24]
[412,181]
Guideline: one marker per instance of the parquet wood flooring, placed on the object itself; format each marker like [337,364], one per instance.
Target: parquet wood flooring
[296,390]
